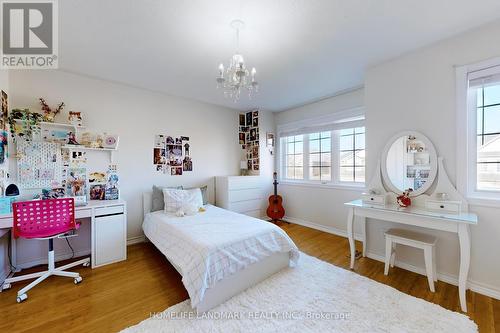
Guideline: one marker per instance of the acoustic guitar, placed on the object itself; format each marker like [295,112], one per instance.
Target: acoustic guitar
[275,211]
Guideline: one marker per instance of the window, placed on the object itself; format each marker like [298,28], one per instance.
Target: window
[294,157]
[320,156]
[488,136]
[478,105]
[352,155]
[332,155]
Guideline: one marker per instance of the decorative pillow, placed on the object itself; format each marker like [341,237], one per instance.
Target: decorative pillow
[204,193]
[158,201]
[176,199]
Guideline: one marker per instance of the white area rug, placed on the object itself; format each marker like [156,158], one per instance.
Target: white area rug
[313,297]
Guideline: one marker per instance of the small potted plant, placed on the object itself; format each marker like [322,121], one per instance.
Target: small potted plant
[24,123]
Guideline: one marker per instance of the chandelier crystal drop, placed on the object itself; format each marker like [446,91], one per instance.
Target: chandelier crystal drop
[236,77]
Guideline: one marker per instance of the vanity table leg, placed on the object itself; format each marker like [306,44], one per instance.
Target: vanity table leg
[464,239]
[363,226]
[350,235]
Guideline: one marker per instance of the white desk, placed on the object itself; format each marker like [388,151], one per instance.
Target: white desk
[108,220]
[456,223]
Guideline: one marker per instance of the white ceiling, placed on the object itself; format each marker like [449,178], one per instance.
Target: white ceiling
[303,49]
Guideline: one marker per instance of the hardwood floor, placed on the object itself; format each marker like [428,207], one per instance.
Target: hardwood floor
[116,296]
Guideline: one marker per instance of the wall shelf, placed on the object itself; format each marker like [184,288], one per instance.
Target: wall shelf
[81,147]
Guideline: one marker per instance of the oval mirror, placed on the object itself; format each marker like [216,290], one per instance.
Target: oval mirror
[409,160]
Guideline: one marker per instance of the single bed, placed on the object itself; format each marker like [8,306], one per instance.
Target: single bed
[219,253]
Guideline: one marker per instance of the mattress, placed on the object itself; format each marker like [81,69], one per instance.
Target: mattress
[209,246]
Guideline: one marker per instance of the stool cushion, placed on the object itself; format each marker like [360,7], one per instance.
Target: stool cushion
[412,235]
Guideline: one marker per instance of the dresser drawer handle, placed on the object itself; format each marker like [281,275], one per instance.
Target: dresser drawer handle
[442,206]
[372,199]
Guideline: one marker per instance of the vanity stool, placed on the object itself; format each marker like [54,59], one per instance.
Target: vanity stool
[413,239]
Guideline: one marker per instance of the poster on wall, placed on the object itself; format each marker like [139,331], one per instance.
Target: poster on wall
[172,155]
[248,138]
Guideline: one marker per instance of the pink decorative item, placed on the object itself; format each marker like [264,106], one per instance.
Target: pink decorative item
[404,199]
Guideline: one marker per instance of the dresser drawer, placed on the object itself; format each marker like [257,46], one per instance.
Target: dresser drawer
[109,210]
[375,199]
[245,206]
[243,182]
[243,195]
[253,213]
[444,206]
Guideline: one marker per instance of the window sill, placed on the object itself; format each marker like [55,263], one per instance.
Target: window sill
[480,201]
[350,187]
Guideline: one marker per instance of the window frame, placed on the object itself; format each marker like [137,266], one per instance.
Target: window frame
[466,137]
[334,182]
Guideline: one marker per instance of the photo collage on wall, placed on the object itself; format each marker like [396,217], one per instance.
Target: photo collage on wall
[249,139]
[171,156]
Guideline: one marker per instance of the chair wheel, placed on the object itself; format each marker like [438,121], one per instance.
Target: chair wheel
[21,298]
[6,286]
[78,280]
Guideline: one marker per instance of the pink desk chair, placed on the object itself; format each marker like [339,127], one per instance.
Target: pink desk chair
[45,219]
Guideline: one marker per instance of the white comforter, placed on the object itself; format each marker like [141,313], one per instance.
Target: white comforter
[212,245]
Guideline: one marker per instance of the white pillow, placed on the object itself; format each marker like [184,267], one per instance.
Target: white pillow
[175,200]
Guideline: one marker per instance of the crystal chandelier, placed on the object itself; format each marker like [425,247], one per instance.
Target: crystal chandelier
[236,77]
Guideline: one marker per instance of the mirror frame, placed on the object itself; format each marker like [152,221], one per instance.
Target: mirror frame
[433,161]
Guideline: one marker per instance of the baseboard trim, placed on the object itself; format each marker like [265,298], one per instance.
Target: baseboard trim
[475,286]
[321,227]
[135,240]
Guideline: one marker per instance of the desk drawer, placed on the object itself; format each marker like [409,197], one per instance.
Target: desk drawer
[83,213]
[444,206]
[6,222]
[109,210]
[376,199]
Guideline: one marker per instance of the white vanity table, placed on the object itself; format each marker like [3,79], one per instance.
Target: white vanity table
[436,211]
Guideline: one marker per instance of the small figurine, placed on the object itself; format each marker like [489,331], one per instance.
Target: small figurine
[75,118]
[72,139]
[404,199]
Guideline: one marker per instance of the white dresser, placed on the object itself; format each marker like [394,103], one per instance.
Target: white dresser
[241,194]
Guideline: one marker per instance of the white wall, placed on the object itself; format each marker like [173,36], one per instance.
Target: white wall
[417,91]
[136,116]
[4,261]
[320,207]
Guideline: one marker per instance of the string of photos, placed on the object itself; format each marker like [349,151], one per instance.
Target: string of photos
[249,139]
[171,156]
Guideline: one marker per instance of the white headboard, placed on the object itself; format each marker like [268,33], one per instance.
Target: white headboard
[147,202]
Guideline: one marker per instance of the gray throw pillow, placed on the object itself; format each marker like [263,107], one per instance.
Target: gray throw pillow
[204,194]
[158,201]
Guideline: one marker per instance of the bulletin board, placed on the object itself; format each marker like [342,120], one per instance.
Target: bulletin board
[39,164]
